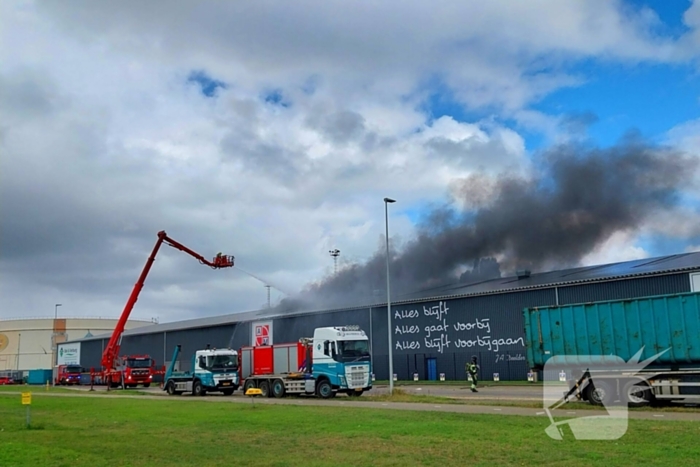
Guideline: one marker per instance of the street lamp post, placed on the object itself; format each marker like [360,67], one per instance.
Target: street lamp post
[55,344]
[388,295]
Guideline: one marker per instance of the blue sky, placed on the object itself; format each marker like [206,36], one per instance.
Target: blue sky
[649,98]
[207,84]
[670,12]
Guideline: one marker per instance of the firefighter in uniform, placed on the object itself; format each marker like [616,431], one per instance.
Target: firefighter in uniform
[472,370]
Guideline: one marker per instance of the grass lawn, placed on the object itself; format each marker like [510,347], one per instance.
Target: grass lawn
[86,431]
[34,389]
[41,389]
[401,395]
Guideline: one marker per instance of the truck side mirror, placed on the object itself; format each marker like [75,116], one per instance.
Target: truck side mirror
[202,362]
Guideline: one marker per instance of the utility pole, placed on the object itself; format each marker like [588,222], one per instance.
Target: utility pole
[335,253]
[19,347]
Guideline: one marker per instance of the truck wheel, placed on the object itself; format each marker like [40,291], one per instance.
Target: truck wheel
[324,389]
[249,384]
[171,388]
[227,392]
[198,389]
[637,394]
[265,388]
[355,393]
[146,385]
[278,389]
[599,393]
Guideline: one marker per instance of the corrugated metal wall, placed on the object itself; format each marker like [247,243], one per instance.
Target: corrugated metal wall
[629,288]
[91,353]
[148,344]
[191,340]
[295,327]
[451,331]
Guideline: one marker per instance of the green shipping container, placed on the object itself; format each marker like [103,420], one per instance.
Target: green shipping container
[620,328]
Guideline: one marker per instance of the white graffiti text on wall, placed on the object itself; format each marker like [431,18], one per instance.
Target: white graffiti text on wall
[413,332]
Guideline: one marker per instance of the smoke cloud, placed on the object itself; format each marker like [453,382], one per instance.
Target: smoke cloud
[579,197]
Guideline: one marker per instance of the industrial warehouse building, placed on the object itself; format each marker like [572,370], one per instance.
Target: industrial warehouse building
[433,333]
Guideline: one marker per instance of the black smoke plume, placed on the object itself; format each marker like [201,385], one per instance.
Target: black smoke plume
[578,197]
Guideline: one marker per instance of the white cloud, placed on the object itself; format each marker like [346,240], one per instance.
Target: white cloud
[686,136]
[496,52]
[619,247]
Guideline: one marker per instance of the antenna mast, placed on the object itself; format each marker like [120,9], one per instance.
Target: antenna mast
[335,253]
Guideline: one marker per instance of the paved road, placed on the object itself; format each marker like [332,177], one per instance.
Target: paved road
[505,393]
[346,402]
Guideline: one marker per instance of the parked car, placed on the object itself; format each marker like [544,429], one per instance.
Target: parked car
[6,380]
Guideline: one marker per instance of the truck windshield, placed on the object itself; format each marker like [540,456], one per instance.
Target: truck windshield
[349,351]
[223,362]
[138,362]
[73,369]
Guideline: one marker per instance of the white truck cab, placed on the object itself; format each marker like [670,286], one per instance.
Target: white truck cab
[341,354]
[213,370]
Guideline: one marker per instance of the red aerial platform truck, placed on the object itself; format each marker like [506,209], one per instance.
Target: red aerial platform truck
[132,370]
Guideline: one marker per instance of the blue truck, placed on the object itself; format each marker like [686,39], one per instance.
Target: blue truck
[213,370]
[636,351]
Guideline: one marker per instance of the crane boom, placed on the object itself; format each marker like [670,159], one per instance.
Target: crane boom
[111,352]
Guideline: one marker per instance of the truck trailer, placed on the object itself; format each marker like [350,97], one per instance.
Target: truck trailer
[336,360]
[634,351]
[213,370]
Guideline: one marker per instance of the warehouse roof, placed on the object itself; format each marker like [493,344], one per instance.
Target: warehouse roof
[614,271]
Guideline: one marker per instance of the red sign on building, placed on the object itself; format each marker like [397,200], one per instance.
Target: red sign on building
[262,333]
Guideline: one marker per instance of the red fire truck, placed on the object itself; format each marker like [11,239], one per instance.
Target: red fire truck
[137,369]
[68,375]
